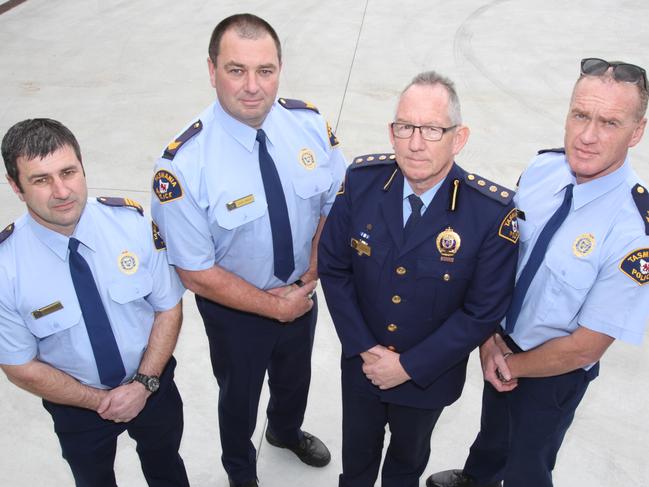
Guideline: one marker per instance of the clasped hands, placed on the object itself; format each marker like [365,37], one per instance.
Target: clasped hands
[383,368]
[494,353]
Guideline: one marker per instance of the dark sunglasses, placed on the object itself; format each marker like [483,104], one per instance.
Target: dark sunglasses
[630,73]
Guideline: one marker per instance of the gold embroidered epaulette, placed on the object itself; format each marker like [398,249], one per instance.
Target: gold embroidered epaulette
[115,201]
[372,159]
[297,104]
[641,198]
[489,188]
[559,150]
[172,148]
[4,235]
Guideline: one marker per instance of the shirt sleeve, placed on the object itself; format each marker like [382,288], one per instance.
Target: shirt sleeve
[17,344]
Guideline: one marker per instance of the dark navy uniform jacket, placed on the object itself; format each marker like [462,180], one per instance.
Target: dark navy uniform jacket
[431,308]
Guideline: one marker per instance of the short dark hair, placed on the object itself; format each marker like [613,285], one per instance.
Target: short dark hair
[32,138]
[248,26]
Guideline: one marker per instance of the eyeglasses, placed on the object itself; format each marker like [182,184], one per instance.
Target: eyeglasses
[630,73]
[428,132]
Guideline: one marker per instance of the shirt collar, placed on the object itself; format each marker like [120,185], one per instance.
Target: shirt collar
[586,192]
[425,197]
[245,134]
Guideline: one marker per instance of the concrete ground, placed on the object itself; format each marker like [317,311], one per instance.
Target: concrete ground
[126,76]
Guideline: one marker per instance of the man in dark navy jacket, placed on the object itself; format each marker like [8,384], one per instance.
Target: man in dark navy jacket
[417,262]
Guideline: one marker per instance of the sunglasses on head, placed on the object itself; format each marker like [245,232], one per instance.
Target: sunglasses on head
[629,73]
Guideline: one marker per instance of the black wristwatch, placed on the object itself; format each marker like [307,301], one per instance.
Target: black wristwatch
[150,382]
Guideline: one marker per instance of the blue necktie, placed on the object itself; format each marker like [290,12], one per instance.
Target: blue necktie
[104,347]
[536,257]
[280,225]
[416,205]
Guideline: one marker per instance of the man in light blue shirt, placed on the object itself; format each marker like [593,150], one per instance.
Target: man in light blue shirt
[95,340]
[240,197]
[588,290]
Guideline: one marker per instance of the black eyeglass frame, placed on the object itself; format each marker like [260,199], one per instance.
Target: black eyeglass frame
[440,130]
[598,70]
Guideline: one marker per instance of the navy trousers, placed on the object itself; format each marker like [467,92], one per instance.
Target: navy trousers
[364,421]
[521,431]
[89,443]
[243,346]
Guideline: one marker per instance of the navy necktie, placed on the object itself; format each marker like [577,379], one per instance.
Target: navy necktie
[280,225]
[104,346]
[535,259]
[416,205]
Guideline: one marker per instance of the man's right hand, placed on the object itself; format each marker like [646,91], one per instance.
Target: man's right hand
[293,301]
[494,365]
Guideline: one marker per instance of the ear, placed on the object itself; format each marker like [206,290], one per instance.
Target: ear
[460,138]
[15,187]
[391,134]
[638,132]
[212,70]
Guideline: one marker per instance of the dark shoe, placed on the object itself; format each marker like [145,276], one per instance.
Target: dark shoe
[311,450]
[454,478]
[247,483]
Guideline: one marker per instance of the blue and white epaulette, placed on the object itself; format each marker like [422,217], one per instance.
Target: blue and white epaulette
[4,235]
[291,104]
[641,198]
[116,201]
[172,148]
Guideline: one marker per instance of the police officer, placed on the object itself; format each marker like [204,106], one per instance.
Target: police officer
[582,272]
[240,197]
[417,264]
[89,312]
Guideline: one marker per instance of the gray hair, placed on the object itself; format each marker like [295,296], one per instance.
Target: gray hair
[607,77]
[432,78]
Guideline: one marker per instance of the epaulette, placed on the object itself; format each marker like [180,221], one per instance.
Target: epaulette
[641,198]
[114,201]
[559,150]
[172,148]
[372,160]
[4,235]
[489,188]
[297,104]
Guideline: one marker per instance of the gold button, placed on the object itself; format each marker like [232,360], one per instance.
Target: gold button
[447,277]
[392,348]
[640,189]
[396,299]
[370,158]
[481,183]
[401,270]
[504,194]
[392,156]
[471,177]
[359,160]
[392,327]
[493,188]
[383,157]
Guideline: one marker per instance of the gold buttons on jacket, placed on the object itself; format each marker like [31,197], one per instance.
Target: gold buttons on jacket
[392,327]
[446,277]
[401,270]
[396,299]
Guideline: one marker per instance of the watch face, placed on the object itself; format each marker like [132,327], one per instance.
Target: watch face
[153,383]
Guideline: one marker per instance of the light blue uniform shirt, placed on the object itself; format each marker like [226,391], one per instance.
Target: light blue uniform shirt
[426,197]
[132,276]
[220,165]
[581,280]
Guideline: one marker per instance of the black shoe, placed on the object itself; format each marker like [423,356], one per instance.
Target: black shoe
[247,483]
[311,450]
[454,478]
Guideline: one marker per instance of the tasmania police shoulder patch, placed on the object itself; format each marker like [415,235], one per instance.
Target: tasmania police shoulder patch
[636,265]
[127,202]
[297,104]
[172,148]
[509,227]
[157,238]
[641,198]
[166,186]
[4,235]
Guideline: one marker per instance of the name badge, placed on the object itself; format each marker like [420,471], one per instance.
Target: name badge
[238,203]
[46,310]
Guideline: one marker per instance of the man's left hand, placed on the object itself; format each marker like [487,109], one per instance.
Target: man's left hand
[124,403]
[386,372]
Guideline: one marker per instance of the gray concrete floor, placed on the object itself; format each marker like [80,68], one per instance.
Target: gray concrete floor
[126,76]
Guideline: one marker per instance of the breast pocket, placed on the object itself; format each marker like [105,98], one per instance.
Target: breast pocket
[369,269]
[310,189]
[55,331]
[443,285]
[131,291]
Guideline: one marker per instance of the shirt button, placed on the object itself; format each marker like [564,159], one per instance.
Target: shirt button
[446,277]
[401,270]
[392,327]
[396,299]
[391,348]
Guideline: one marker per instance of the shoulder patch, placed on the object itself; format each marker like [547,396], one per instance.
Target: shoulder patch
[4,235]
[172,148]
[372,160]
[559,150]
[333,140]
[636,265]
[129,203]
[166,186]
[297,104]
[489,188]
[641,198]
[157,238]
[509,227]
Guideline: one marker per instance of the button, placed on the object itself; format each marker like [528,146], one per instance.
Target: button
[504,194]
[471,177]
[481,183]
[447,277]
[392,327]
[401,270]
[392,348]
[493,188]
[396,299]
